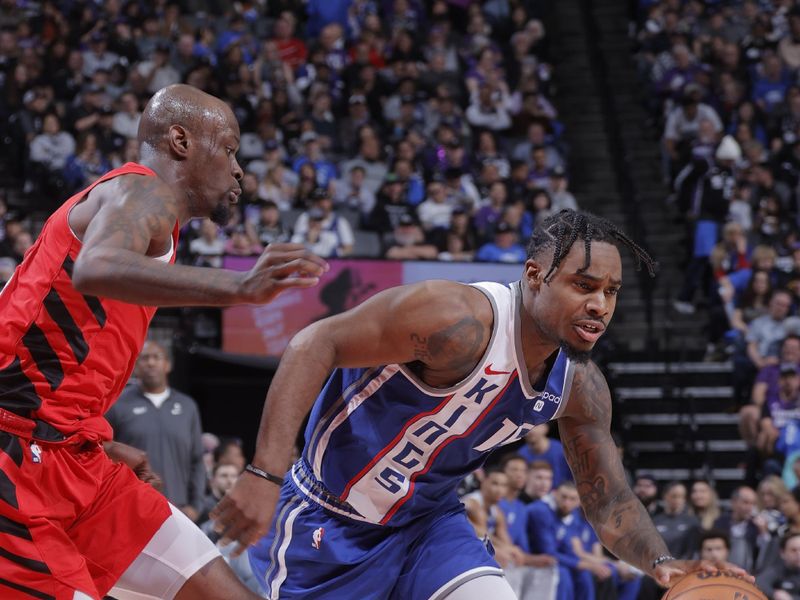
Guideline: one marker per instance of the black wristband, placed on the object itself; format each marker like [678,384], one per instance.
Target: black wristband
[662,559]
[264,475]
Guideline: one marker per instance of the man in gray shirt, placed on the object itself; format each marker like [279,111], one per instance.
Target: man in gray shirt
[165,424]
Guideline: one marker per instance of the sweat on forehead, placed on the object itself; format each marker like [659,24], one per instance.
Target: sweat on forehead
[182,105]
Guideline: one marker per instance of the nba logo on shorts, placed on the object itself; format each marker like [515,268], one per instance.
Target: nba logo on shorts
[539,405]
[317,538]
[36,452]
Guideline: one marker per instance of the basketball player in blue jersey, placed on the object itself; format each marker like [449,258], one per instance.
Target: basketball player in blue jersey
[426,380]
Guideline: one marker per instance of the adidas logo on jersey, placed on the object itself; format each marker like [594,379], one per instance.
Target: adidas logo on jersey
[545,395]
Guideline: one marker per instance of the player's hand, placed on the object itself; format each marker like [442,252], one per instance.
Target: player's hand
[244,514]
[136,459]
[540,560]
[280,267]
[667,573]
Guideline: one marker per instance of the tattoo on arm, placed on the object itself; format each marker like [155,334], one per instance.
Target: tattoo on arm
[619,518]
[454,348]
[146,214]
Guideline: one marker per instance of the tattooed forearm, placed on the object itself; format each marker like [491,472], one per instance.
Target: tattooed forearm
[620,520]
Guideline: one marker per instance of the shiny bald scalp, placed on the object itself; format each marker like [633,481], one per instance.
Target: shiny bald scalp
[183,105]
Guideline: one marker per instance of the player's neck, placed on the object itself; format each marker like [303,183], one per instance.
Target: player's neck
[167,171]
[536,347]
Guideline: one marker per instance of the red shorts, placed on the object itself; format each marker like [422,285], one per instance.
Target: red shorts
[70,519]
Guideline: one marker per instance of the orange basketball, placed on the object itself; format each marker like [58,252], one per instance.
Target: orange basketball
[719,585]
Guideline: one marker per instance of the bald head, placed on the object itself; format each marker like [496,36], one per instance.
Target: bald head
[185,106]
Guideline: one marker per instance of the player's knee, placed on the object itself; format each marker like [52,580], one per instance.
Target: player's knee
[81,596]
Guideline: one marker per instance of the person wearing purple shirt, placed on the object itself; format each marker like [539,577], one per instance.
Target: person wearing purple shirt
[769,88]
[766,390]
[540,447]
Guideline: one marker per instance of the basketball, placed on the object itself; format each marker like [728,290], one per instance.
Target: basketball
[718,585]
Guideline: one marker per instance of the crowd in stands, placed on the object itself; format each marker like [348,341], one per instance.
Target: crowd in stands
[387,128]
[723,80]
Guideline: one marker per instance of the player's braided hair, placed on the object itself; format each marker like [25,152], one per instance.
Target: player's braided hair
[561,230]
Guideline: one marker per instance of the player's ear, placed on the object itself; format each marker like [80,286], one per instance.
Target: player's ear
[534,274]
[178,139]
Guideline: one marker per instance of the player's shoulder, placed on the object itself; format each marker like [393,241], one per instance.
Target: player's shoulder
[450,299]
[135,188]
[587,376]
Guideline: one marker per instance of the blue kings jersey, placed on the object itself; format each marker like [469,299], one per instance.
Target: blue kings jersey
[385,448]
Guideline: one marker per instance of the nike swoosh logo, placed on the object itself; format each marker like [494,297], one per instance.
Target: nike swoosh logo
[488,370]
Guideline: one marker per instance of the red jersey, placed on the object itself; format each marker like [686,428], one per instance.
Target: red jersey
[65,356]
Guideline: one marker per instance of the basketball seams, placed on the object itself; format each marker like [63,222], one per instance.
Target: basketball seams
[721,586]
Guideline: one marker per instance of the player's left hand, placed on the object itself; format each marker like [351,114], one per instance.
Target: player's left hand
[667,573]
[245,512]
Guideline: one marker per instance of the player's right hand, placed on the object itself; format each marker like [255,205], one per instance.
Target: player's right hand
[244,514]
[280,267]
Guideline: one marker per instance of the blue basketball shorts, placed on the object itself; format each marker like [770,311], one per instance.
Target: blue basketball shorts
[311,552]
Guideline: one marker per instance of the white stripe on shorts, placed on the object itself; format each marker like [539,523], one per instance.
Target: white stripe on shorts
[280,576]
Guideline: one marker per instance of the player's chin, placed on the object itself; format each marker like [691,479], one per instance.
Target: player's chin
[221,213]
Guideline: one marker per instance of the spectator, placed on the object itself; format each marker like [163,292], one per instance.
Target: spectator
[208,249]
[504,248]
[782,580]
[407,242]
[157,72]
[746,534]
[753,302]
[770,490]
[223,476]
[539,482]
[766,332]
[269,228]
[324,169]
[240,242]
[486,517]
[538,446]
[766,390]
[87,164]
[562,198]
[516,469]
[435,212]
[490,210]
[646,489]
[676,523]
[683,124]
[166,424]
[460,241]
[322,230]
[126,119]
[714,546]
[352,193]
[704,503]
[53,146]
[777,416]
[488,110]
[229,452]
[551,525]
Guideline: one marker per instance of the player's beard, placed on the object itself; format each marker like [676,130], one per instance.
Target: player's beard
[574,354]
[221,214]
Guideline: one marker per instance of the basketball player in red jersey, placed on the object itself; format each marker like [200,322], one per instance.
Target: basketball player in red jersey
[73,522]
